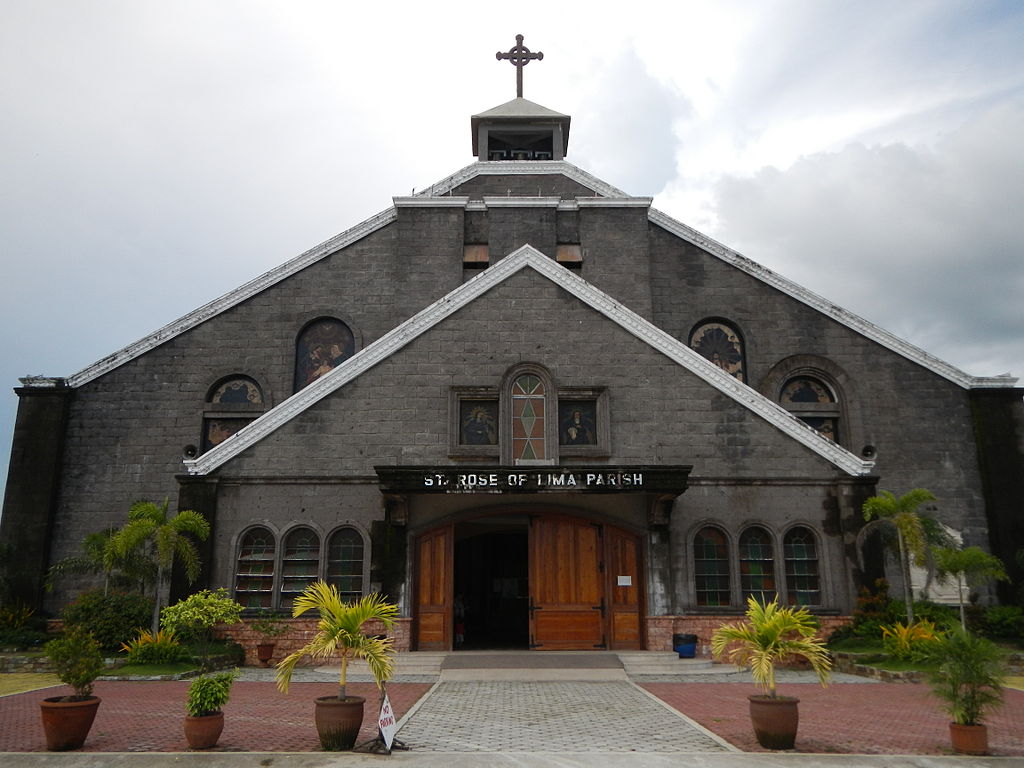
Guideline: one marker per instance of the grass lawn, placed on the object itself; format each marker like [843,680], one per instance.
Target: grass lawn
[19,682]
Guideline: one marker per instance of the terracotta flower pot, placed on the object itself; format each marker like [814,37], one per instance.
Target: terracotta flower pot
[338,721]
[775,720]
[969,739]
[202,732]
[265,652]
[67,723]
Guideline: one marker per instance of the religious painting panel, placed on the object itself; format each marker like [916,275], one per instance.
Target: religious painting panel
[577,422]
[474,423]
[583,421]
[720,343]
[321,347]
[217,430]
[478,422]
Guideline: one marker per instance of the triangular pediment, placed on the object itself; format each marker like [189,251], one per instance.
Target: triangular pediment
[527,257]
[600,189]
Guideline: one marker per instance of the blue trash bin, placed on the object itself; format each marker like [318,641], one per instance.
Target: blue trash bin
[685,645]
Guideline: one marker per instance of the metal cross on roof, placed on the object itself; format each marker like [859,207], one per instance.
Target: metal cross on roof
[520,56]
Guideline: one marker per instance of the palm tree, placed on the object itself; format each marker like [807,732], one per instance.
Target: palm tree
[165,540]
[772,634]
[911,540]
[340,631]
[133,570]
[971,564]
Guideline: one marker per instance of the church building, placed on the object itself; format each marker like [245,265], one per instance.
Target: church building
[527,400]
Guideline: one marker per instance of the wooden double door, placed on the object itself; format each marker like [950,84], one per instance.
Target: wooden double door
[584,586]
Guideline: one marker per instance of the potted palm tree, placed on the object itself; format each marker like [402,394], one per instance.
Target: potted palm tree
[340,632]
[77,660]
[267,627]
[770,635]
[204,707]
[968,680]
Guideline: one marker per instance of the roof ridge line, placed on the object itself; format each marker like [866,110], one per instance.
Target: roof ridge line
[459,297]
[231,298]
[850,319]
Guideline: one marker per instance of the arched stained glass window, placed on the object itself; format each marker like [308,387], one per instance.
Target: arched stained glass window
[711,567]
[528,419]
[720,343]
[300,563]
[757,565]
[345,563]
[321,347]
[254,576]
[236,389]
[803,583]
[814,402]
[231,403]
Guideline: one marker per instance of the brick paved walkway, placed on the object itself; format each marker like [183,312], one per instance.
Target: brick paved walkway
[886,718]
[148,717]
[883,718]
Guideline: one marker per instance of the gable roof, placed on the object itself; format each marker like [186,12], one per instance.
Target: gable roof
[526,257]
[600,188]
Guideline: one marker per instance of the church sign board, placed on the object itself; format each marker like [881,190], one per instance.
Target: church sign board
[534,479]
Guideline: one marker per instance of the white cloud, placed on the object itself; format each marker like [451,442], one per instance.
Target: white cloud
[925,242]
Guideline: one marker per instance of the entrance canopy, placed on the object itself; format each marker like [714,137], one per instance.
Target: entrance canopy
[659,484]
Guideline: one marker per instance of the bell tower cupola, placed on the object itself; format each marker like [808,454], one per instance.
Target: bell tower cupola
[520,129]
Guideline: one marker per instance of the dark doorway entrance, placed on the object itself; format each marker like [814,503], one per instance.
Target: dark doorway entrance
[491,578]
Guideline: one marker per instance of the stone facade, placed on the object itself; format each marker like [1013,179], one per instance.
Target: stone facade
[617,326]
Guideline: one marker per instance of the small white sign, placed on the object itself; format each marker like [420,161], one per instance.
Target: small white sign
[386,722]
[625,581]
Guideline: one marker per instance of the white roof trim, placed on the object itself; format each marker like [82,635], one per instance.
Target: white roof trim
[521,168]
[837,313]
[233,298]
[526,256]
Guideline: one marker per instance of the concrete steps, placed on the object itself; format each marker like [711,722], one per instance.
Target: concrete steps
[406,663]
[662,663]
[537,665]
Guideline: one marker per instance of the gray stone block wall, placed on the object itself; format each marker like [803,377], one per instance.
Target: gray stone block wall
[919,422]
[126,430]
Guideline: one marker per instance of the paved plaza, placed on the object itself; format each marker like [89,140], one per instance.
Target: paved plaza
[536,718]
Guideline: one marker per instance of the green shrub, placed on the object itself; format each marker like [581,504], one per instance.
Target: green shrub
[874,610]
[194,618]
[1004,621]
[161,648]
[16,615]
[909,642]
[208,694]
[944,617]
[76,657]
[113,618]
[23,638]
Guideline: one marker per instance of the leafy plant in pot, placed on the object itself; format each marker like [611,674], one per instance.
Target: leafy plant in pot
[267,627]
[77,660]
[968,679]
[340,632]
[771,635]
[204,705]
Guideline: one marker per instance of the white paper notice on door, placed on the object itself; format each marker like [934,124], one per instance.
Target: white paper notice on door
[624,581]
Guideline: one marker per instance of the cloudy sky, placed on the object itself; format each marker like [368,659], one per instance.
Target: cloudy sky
[155,155]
